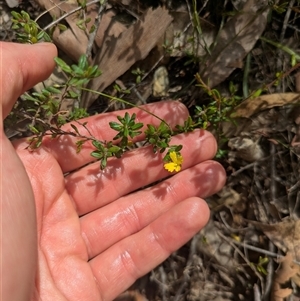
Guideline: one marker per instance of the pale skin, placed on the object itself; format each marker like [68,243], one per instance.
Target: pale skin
[90,234]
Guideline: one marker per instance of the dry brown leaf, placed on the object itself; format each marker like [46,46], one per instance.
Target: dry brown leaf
[12,3]
[245,148]
[287,271]
[108,27]
[228,197]
[74,41]
[118,55]
[279,294]
[234,42]
[252,106]
[285,235]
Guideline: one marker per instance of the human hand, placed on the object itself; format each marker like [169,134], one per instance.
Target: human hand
[74,232]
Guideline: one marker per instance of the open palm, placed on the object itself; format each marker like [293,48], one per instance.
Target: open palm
[80,233]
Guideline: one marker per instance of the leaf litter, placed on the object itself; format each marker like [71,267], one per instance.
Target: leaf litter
[256,215]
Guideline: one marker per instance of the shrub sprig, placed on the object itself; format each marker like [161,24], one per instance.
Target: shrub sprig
[46,117]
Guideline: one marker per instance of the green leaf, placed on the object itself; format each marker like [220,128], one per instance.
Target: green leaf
[95,72]
[27,28]
[134,134]
[97,155]
[127,117]
[92,29]
[83,63]
[162,144]
[42,35]
[75,128]
[137,126]
[15,27]
[98,73]
[82,3]
[33,129]
[80,22]
[81,26]
[53,90]
[63,65]
[178,148]
[46,92]
[29,97]
[163,127]
[117,88]
[16,15]
[97,144]
[152,141]
[293,60]
[25,15]
[124,141]
[40,96]
[79,145]
[62,27]
[103,163]
[151,129]
[35,142]
[257,93]
[78,82]
[118,136]
[115,126]
[72,94]
[33,39]
[77,70]
[114,149]
[125,132]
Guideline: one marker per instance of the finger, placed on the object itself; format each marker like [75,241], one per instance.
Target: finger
[104,227]
[23,66]
[64,148]
[119,266]
[92,188]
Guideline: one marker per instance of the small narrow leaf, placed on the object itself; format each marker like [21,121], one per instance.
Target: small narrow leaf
[63,65]
[97,155]
[83,63]
[62,27]
[74,128]
[53,90]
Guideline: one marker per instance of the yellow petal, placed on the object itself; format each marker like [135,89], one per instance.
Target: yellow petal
[179,160]
[176,158]
[170,166]
[177,168]
[173,157]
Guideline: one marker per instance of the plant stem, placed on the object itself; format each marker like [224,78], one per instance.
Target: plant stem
[127,103]
[282,47]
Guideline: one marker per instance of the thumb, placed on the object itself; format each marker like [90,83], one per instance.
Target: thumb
[22,66]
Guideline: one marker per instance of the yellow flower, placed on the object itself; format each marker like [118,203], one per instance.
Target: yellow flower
[175,164]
